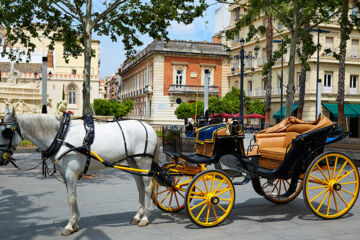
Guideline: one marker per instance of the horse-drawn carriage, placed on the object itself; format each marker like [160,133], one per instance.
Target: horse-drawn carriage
[280,162]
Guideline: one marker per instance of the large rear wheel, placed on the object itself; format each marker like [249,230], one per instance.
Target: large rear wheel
[331,185]
[209,198]
[171,199]
[276,189]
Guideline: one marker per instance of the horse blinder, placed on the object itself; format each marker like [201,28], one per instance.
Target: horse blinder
[7,133]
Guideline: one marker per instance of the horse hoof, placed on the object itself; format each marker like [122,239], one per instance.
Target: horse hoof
[67,232]
[143,223]
[134,221]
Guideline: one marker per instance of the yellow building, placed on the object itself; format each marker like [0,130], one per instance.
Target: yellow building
[62,76]
[254,84]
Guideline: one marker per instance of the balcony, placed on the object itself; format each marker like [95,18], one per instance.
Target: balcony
[352,53]
[353,90]
[192,89]
[148,89]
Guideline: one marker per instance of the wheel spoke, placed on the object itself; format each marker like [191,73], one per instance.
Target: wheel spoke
[344,176]
[200,190]
[328,207]
[335,164]
[196,197]
[197,218]
[318,195]
[197,205]
[177,201]
[165,197]
[322,201]
[284,186]
[317,187]
[342,167]
[322,171]
[207,214]
[328,167]
[162,191]
[321,181]
[279,190]
[221,208]
[347,192]
[225,199]
[222,191]
[348,183]
[337,208]
[222,181]
[342,198]
[181,195]
[212,183]
[171,196]
[196,193]
[213,208]
[206,187]
[275,186]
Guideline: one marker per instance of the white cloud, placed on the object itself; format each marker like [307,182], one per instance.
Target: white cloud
[181,28]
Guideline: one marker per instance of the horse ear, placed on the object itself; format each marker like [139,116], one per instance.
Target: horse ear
[13,113]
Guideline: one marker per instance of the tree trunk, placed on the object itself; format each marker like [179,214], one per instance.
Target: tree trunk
[344,35]
[87,59]
[302,91]
[269,50]
[290,91]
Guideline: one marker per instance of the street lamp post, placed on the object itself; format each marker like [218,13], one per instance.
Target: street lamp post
[242,57]
[281,80]
[318,81]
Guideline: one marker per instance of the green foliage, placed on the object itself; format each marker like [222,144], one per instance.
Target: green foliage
[230,103]
[112,107]
[256,106]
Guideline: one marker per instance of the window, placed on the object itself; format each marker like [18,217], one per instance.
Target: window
[329,45]
[353,84]
[208,77]
[354,48]
[355,12]
[327,82]
[150,76]
[179,77]
[74,71]
[72,95]
[250,88]
[236,13]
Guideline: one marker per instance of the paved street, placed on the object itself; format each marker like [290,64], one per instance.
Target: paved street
[35,208]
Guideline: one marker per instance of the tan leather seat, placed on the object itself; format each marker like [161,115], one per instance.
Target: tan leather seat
[276,153]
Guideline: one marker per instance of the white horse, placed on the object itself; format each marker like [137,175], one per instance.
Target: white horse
[41,129]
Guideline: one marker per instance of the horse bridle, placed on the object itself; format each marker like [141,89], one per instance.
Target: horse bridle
[9,133]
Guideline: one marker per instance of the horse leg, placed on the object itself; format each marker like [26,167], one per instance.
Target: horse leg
[140,187]
[71,186]
[148,190]
[145,163]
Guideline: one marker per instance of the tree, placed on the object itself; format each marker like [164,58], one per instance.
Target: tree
[112,107]
[256,106]
[188,110]
[215,105]
[269,56]
[294,14]
[74,22]
[231,101]
[346,28]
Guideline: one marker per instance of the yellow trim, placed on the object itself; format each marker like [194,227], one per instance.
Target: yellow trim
[328,183]
[120,167]
[195,193]
[207,141]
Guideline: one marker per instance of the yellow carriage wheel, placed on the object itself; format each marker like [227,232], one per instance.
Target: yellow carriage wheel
[277,188]
[210,198]
[331,185]
[171,199]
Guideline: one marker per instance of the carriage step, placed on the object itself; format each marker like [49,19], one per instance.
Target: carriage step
[233,173]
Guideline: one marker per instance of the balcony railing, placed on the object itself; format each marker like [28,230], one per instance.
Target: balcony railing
[186,89]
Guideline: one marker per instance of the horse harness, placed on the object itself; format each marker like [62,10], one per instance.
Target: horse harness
[9,133]
[87,142]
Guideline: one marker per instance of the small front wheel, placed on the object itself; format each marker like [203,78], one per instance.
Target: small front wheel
[331,185]
[209,198]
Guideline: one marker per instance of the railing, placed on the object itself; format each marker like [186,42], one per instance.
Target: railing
[353,91]
[192,89]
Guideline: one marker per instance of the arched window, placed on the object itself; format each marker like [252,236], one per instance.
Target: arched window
[72,94]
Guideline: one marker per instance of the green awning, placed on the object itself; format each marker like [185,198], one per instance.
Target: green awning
[349,109]
[277,114]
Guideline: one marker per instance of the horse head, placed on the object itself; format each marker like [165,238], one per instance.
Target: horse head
[10,136]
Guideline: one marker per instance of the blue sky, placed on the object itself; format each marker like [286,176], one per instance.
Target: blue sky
[112,53]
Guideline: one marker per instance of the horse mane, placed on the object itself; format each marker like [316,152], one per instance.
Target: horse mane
[44,125]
